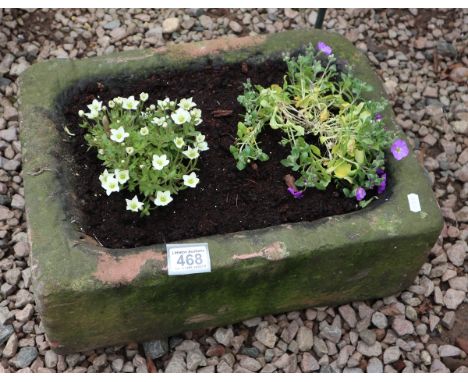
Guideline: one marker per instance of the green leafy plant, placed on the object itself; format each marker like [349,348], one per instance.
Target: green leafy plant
[152,151]
[333,132]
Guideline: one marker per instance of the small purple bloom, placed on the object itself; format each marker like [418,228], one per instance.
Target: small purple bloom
[399,149]
[380,172]
[360,194]
[324,48]
[295,193]
[383,185]
[378,117]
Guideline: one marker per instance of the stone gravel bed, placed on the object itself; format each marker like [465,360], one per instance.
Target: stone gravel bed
[422,56]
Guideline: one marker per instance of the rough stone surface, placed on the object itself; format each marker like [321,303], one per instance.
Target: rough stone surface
[25,357]
[224,336]
[267,337]
[171,25]
[5,333]
[305,338]
[453,298]
[348,314]
[428,117]
[250,364]
[437,366]
[374,365]
[370,351]
[155,349]
[379,320]
[309,363]
[391,354]
[457,254]
[195,359]
[402,327]
[11,346]
[449,351]
[51,359]
[177,363]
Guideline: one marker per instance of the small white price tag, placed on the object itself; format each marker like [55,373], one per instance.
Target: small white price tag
[185,259]
[414,205]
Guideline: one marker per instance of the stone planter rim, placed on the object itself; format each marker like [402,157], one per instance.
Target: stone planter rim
[75,263]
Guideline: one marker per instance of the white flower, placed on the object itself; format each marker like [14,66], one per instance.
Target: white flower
[93,114]
[118,100]
[111,185]
[130,150]
[134,204]
[144,131]
[195,113]
[163,198]
[186,103]
[198,121]
[130,103]
[81,113]
[144,96]
[172,103]
[111,104]
[163,104]
[191,153]
[202,146]
[191,180]
[160,161]
[101,151]
[158,121]
[95,106]
[181,116]
[118,135]
[104,176]
[200,138]
[179,142]
[164,124]
[121,175]
[152,107]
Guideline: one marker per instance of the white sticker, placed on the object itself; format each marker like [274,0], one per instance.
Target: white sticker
[185,259]
[414,205]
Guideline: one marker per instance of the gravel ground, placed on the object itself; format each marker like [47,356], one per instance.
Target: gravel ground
[422,57]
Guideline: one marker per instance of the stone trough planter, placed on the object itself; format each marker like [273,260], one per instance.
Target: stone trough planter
[90,296]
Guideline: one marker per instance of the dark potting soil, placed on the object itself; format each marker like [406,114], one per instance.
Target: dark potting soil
[226,199]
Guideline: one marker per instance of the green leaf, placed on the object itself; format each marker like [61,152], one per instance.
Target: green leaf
[264,103]
[342,170]
[241,165]
[360,156]
[263,157]
[315,150]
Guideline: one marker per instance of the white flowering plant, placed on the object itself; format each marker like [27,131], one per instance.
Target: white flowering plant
[150,150]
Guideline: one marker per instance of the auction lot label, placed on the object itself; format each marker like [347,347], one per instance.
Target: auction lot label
[185,259]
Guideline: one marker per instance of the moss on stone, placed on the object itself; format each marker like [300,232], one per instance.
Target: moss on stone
[366,254]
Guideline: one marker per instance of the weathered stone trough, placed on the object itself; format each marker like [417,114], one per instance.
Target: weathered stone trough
[90,296]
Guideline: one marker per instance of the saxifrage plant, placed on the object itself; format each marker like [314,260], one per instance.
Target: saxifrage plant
[152,151]
[333,132]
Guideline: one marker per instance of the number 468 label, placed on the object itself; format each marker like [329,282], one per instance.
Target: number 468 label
[184,259]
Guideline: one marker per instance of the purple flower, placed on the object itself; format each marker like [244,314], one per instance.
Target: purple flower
[399,149]
[324,48]
[297,194]
[378,117]
[360,194]
[383,185]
